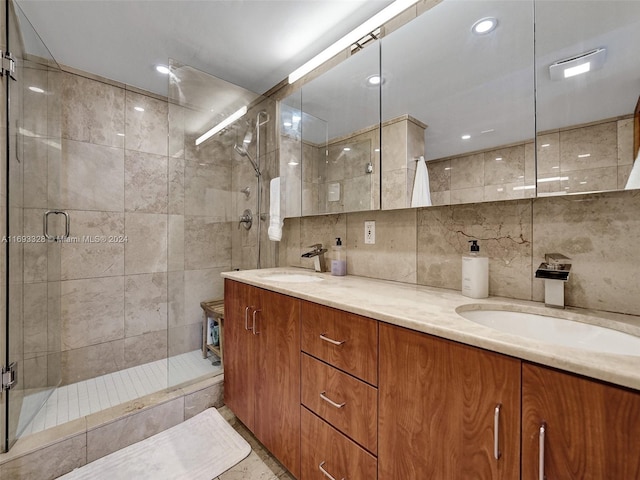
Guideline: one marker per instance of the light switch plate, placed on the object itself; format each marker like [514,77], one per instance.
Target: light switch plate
[370,233]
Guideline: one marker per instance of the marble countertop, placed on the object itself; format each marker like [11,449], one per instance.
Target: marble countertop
[433,311]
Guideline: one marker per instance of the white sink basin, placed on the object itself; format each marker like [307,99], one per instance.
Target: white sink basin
[557,331]
[292,278]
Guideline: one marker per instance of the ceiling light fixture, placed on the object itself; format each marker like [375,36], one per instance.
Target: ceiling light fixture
[374,79]
[484,26]
[579,64]
[288,124]
[36,89]
[226,122]
[138,109]
[466,137]
[163,69]
[356,34]
[346,149]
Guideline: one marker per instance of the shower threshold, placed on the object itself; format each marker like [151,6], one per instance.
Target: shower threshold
[76,400]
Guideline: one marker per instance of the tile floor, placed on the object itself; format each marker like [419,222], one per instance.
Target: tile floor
[260,464]
[76,400]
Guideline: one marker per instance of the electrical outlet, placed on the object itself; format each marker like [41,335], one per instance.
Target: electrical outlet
[370,233]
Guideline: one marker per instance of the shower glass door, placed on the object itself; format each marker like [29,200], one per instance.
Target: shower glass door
[221,161]
[31,158]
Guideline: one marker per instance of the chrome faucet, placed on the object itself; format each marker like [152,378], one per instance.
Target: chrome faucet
[555,272]
[318,256]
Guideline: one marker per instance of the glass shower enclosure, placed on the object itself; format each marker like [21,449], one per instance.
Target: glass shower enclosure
[30,264]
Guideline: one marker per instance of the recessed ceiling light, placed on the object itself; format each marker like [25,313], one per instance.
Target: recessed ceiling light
[545,145]
[374,79]
[466,137]
[287,124]
[36,89]
[584,155]
[163,69]
[138,109]
[346,149]
[484,26]
[498,159]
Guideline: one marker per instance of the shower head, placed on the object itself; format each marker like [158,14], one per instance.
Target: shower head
[242,151]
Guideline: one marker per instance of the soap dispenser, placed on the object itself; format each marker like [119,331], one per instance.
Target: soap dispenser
[339,259]
[475,273]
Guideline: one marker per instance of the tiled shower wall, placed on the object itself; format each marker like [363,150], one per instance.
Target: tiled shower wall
[424,246]
[159,260]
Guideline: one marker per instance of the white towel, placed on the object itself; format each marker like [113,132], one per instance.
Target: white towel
[421,194]
[634,176]
[275,222]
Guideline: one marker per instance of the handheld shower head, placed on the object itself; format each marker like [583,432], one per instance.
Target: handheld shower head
[242,151]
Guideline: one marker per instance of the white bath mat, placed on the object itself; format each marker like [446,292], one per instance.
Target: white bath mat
[200,448]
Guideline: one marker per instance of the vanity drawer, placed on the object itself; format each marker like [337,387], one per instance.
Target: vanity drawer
[345,402]
[345,340]
[323,447]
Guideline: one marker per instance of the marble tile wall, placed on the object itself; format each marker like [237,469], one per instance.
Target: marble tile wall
[130,173]
[588,158]
[424,246]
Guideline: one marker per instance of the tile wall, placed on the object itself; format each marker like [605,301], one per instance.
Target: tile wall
[424,246]
[130,172]
[594,157]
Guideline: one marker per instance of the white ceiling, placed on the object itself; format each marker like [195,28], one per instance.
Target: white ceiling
[251,43]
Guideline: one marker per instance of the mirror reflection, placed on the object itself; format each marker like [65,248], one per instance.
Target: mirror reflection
[336,124]
[588,82]
[468,99]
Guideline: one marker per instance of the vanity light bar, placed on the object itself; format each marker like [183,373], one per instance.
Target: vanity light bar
[350,38]
[226,122]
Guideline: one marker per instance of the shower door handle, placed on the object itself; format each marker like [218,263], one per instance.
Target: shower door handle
[67,224]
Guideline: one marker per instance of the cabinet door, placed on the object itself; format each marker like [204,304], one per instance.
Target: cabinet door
[592,430]
[239,372]
[277,419]
[437,409]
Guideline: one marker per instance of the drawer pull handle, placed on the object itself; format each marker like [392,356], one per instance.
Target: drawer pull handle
[543,430]
[331,341]
[496,432]
[331,402]
[253,326]
[246,318]
[325,473]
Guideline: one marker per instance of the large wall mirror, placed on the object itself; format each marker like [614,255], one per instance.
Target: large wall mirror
[330,138]
[466,90]
[476,107]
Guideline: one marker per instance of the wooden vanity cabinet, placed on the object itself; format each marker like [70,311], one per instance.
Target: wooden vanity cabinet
[437,409]
[262,367]
[339,404]
[591,429]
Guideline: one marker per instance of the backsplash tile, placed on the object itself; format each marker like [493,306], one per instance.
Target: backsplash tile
[503,231]
[597,231]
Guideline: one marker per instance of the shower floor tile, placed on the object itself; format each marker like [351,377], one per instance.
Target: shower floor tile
[76,400]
